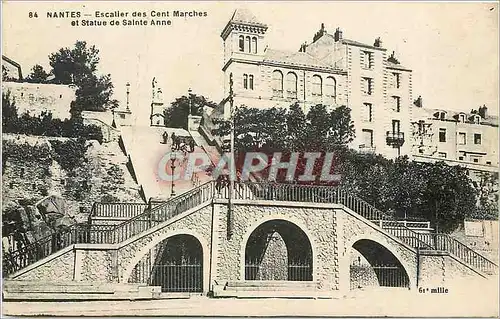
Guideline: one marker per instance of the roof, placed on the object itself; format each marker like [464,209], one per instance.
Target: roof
[243,15]
[452,115]
[360,44]
[294,58]
[397,66]
[14,63]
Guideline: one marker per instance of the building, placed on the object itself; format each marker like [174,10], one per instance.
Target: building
[35,98]
[332,70]
[458,138]
[11,70]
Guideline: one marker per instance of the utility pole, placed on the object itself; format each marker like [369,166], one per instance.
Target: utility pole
[231,179]
[190,102]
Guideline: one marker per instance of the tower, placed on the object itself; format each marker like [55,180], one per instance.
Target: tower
[244,49]
[157,117]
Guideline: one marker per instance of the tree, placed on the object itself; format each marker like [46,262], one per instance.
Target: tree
[342,127]
[78,66]
[177,114]
[37,75]
[9,114]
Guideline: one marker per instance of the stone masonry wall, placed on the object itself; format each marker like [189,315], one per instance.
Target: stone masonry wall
[319,224]
[197,223]
[61,268]
[354,229]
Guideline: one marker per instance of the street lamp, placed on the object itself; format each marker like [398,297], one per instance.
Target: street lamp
[190,102]
[172,166]
[128,92]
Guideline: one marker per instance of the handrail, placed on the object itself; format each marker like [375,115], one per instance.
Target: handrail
[151,217]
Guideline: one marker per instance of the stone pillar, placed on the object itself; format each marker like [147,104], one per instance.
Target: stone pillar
[77,270]
[194,122]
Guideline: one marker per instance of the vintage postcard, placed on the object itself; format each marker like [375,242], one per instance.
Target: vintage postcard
[269,159]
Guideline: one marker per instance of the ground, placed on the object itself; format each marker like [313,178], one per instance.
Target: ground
[466,302]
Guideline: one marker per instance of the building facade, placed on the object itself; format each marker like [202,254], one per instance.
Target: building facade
[458,138]
[332,71]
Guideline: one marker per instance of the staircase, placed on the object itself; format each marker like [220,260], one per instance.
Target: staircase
[151,216]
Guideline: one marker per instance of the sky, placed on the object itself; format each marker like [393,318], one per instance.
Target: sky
[451,47]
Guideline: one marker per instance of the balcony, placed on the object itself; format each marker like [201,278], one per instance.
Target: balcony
[395,139]
[278,93]
[367,149]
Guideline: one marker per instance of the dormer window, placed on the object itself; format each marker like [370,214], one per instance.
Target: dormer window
[477,119]
[241,43]
[442,115]
[461,118]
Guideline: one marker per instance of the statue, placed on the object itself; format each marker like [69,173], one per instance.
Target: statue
[165,137]
[153,84]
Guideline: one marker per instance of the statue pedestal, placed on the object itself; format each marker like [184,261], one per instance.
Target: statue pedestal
[194,122]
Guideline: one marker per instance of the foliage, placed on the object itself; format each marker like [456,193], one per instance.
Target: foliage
[70,154]
[437,192]
[45,125]
[38,154]
[177,114]
[78,66]
[37,75]
[487,190]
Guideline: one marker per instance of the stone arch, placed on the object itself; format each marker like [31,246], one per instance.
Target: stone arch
[385,244]
[297,223]
[157,240]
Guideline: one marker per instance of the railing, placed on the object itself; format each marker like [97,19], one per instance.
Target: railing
[29,254]
[326,194]
[159,214]
[46,246]
[410,224]
[127,210]
[105,234]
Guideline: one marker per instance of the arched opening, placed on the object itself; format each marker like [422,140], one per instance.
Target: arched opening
[291,85]
[254,44]
[241,43]
[331,89]
[278,250]
[372,264]
[277,83]
[317,85]
[175,264]
[249,45]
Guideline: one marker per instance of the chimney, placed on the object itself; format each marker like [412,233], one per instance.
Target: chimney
[483,111]
[418,101]
[338,35]
[377,43]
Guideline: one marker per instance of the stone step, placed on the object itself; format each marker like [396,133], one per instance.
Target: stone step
[273,284]
[34,290]
[297,294]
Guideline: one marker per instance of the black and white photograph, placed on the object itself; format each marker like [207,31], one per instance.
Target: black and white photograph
[250,159]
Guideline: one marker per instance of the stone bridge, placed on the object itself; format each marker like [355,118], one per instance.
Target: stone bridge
[319,249]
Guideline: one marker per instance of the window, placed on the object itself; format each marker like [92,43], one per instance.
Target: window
[60,96]
[442,154]
[397,80]
[477,119]
[367,112]
[475,160]
[367,86]
[241,43]
[317,84]
[396,126]
[442,115]
[421,151]
[254,44]
[368,138]
[396,103]
[477,138]
[367,59]
[277,84]
[291,85]
[460,158]
[248,81]
[249,45]
[442,135]
[462,138]
[461,117]
[488,163]
[330,89]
